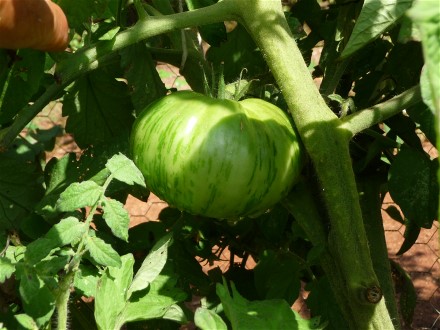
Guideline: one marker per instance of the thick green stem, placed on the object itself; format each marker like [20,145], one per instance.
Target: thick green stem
[366,118]
[327,146]
[369,192]
[62,302]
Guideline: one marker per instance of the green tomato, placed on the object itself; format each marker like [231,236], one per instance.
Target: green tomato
[216,158]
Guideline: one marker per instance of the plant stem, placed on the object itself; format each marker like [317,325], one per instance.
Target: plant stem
[62,301]
[327,146]
[366,118]
[90,58]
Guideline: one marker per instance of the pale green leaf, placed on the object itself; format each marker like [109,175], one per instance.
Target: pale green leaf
[124,170]
[111,293]
[206,319]
[7,268]
[26,322]
[78,195]
[152,265]
[102,253]
[375,18]
[116,217]
[67,231]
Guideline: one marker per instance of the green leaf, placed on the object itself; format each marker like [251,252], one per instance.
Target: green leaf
[413,186]
[110,34]
[26,322]
[426,15]
[24,75]
[7,268]
[86,280]
[423,116]
[321,301]
[425,88]
[67,231]
[111,293]
[39,249]
[412,231]
[277,276]
[117,218]
[50,266]
[144,82]
[152,265]
[375,18]
[102,253]
[20,190]
[38,300]
[261,314]
[124,170]
[394,213]
[78,195]
[238,53]
[99,108]
[206,319]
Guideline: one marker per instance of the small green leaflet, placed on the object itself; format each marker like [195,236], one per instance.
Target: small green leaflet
[375,18]
[206,319]
[78,195]
[26,322]
[102,253]
[152,265]
[6,269]
[116,217]
[124,170]
[67,231]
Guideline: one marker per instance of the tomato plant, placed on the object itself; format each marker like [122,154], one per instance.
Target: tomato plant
[359,80]
[216,158]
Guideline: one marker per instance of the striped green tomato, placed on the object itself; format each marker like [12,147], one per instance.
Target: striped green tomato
[216,158]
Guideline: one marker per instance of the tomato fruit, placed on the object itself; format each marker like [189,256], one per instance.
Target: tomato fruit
[37,24]
[216,158]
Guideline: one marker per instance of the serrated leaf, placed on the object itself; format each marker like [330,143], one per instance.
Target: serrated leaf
[99,108]
[67,231]
[413,186]
[144,82]
[117,218]
[102,253]
[124,170]
[20,190]
[86,280]
[78,195]
[111,293]
[206,319]
[24,75]
[375,18]
[152,265]
[260,314]
[7,268]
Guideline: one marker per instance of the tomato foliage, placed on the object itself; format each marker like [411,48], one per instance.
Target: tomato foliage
[67,250]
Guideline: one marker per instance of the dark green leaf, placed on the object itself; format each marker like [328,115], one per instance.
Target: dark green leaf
[39,249]
[102,253]
[152,265]
[321,301]
[422,115]
[124,170]
[116,217]
[206,319]
[144,82]
[375,18]
[238,53]
[413,186]
[262,314]
[78,195]
[277,276]
[24,75]
[50,266]
[20,190]
[99,109]
[7,268]
[394,213]
[408,294]
[412,231]
[111,293]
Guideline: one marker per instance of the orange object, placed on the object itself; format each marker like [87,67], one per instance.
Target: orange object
[37,24]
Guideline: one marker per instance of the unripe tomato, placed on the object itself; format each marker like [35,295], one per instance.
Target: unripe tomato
[216,158]
[37,24]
